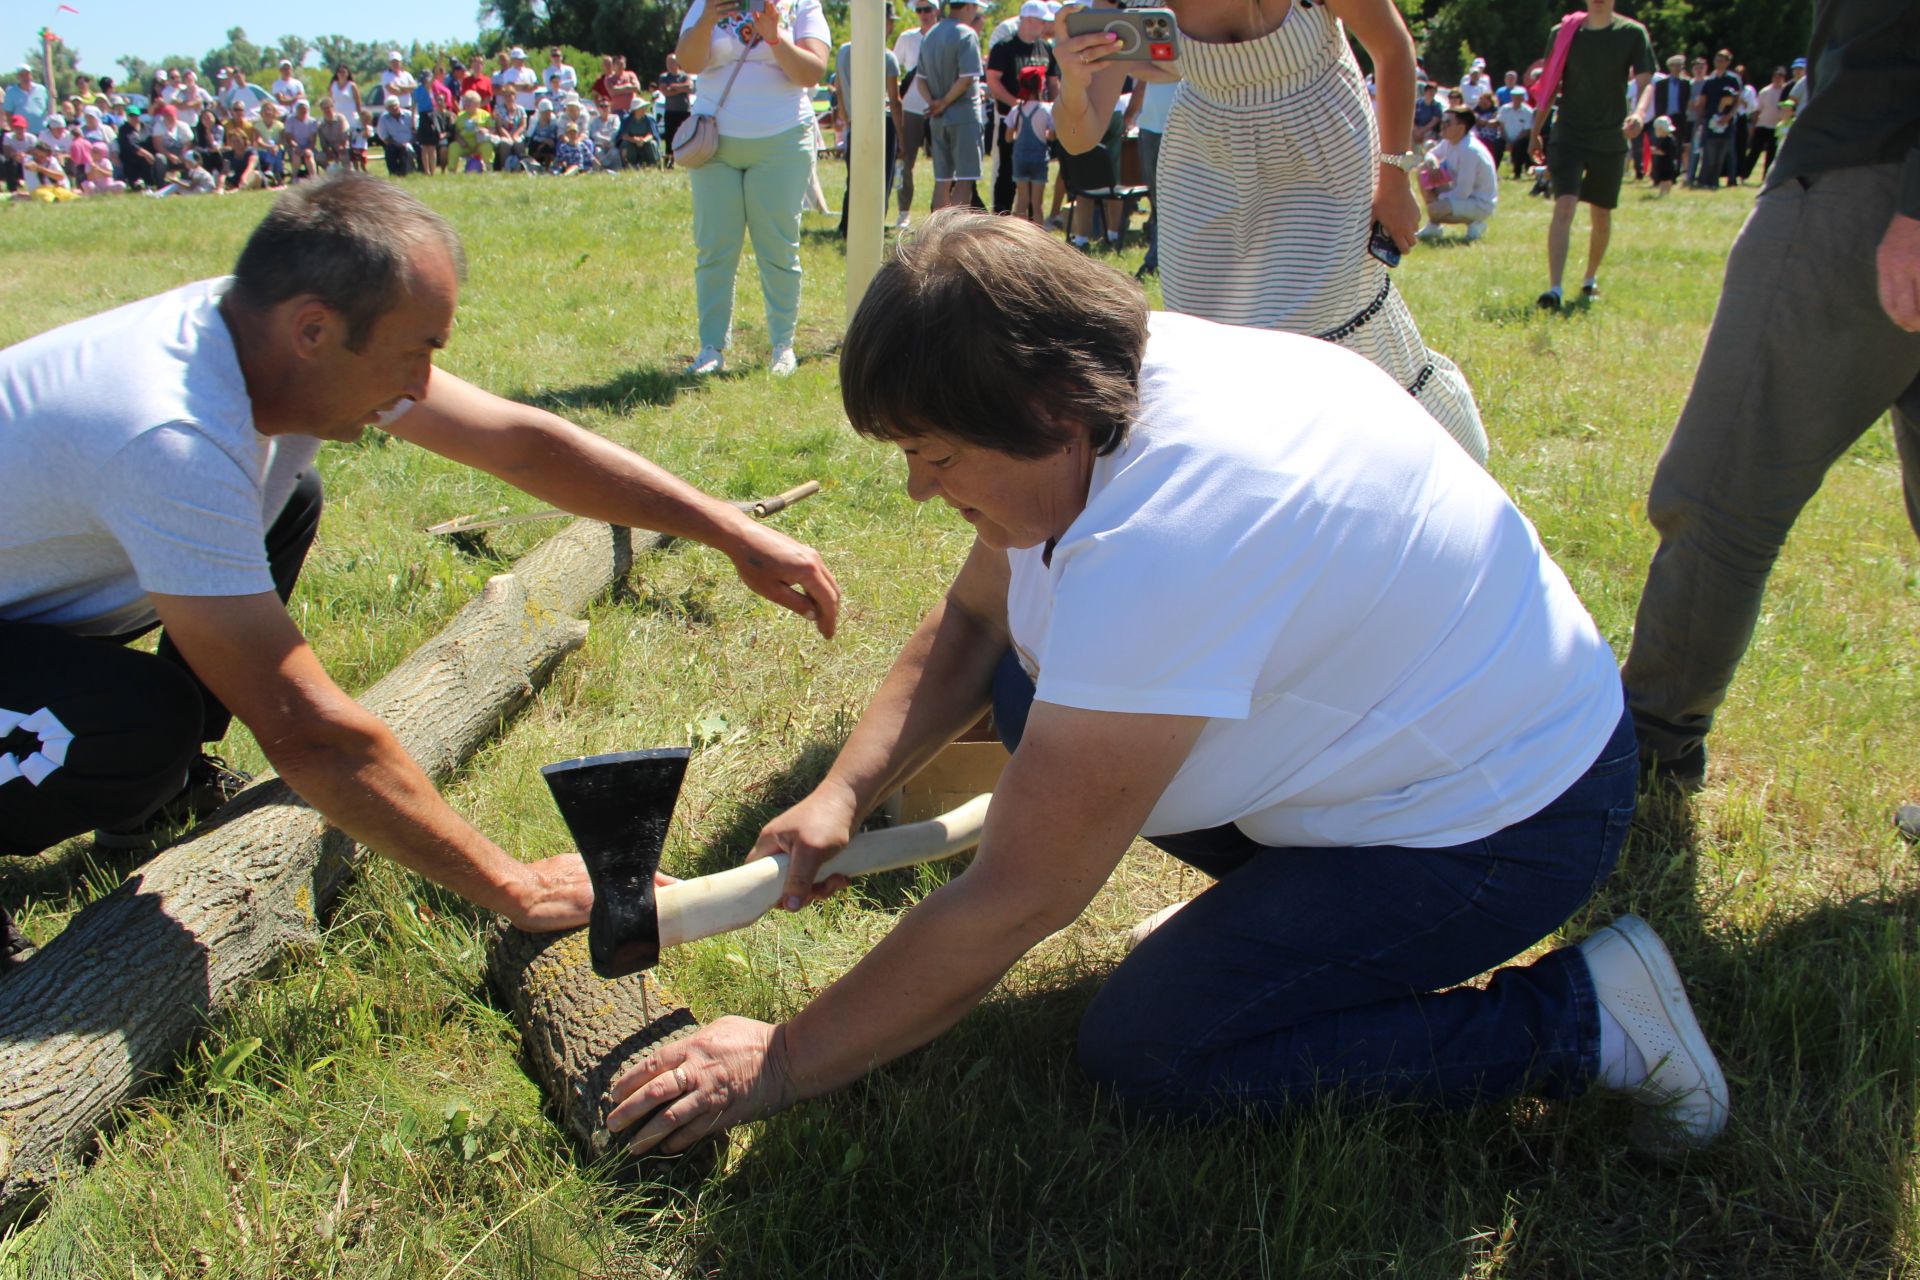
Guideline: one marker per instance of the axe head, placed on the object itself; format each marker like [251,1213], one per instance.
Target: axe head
[617,807]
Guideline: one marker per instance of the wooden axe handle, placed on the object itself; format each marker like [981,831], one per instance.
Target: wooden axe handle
[728,900]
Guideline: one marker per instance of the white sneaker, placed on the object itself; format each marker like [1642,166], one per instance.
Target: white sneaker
[1682,1102]
[1475,230]
[784,362]
[710,360]
[1432,231]
[900,223]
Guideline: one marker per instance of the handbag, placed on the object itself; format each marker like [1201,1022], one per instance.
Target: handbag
[698,136]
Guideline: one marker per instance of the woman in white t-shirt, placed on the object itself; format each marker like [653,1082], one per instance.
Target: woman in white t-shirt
[1287,628]
[763,63]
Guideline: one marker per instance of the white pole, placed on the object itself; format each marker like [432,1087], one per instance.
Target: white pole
[866,161]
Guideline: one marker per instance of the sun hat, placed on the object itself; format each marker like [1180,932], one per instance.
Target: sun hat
[1035,9]
[394,55]
[517,54]
[1663,126]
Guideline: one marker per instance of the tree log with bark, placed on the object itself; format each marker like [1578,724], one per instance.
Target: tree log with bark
[104,1009]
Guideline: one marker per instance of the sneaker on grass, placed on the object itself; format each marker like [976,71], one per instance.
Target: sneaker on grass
[1475,230]
[784,362]
[211,782]
[708,361]
[1679,1092]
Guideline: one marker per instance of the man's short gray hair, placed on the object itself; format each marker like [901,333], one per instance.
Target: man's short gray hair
[349,241]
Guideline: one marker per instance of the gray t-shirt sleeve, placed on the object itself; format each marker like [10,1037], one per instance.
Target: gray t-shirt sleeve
[970,56]
[186,514]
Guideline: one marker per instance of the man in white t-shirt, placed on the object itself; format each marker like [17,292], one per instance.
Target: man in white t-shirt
[524,80]
[156,468]
[398,82]
[288,89]
[1470,188]
[913,100]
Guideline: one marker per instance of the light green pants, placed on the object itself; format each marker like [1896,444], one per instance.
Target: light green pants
[751,184]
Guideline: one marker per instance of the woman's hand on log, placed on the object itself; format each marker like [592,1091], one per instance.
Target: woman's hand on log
[789,573]
[729,1072]
[811,833]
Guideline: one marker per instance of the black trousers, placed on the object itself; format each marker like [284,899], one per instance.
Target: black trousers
[133,722]
[1003,166]
[1764,140]
[892,145]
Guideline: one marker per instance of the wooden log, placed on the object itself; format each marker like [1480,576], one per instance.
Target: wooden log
[579,1031]
[105,1008]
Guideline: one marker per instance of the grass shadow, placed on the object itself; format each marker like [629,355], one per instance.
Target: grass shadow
[646,386]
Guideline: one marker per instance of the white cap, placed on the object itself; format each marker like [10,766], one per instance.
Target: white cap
[1035,9]
[286,62]
[91,112]
[1479,64]
[55,121]
[394,55]
[517,54]
[23,67]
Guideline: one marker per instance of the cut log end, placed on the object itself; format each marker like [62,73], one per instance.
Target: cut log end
[580,1032]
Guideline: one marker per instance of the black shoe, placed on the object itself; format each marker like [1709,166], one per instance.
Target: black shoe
[1684,773]
[1907,819]
[211,782]
[15,950]
[1548,301]
[1591,292]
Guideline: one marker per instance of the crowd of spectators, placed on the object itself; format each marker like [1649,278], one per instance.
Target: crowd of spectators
[183,137]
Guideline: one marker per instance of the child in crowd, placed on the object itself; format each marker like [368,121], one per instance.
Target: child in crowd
[1029,130]
[1666,156]
[472,150]
[575,152]
[93,167]
[46,178]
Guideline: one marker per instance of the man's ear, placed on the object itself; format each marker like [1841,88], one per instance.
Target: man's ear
[316,328]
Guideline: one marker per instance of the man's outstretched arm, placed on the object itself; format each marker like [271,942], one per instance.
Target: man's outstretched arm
[342,760]
[578,471]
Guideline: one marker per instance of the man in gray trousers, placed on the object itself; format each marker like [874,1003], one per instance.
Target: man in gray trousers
[1817,334]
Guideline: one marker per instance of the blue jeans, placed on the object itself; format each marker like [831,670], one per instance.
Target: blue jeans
[1309,970]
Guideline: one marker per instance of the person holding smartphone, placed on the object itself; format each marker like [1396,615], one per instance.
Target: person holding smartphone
[1276,167]
[757,67]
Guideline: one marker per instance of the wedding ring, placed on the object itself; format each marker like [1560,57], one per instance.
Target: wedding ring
[680,1078]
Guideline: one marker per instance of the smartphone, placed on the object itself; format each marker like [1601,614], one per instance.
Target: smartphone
[1381,246]
[1146,35]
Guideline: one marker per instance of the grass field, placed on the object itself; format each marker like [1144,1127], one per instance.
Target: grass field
[383,1127]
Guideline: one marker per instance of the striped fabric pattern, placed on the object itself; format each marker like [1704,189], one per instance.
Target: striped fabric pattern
[1265,204]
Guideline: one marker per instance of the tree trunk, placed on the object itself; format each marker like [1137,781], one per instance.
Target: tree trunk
[106,1007]
[579,1031]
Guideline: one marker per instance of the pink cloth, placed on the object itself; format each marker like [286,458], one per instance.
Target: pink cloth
[1541,94]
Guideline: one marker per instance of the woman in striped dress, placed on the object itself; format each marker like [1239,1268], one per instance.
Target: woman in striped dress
[1273,172]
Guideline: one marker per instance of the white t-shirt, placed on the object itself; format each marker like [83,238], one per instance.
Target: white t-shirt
[1471,165]
[764,101]
[560,80]
[288,91]
[398,82]
[524,81]
[129,464]
[1290,546]
[906,50]
[1157,107]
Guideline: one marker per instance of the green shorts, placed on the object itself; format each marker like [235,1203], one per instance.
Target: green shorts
[1594,176]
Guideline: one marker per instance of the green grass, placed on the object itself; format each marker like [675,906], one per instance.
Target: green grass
[338,1145]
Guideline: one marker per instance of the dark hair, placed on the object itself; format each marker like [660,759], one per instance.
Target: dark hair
[349,241]
[1464,118]
[988,331]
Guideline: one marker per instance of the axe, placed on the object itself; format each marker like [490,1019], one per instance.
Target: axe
[617,808]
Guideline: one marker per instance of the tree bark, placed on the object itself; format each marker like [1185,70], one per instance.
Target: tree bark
[579,1031]
[104,1009]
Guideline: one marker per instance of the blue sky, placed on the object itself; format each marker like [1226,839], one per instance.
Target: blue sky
[105,29]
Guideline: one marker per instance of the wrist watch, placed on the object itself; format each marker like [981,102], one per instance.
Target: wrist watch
[1405,162]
